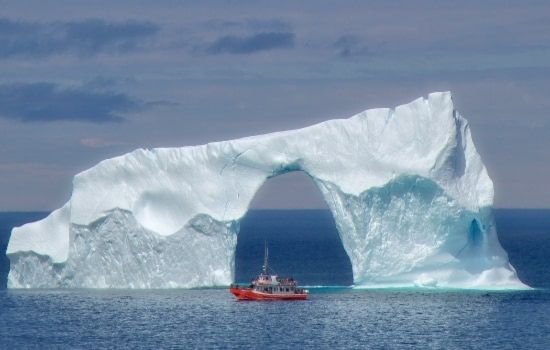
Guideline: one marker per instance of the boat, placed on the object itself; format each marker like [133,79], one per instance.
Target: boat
[269,287]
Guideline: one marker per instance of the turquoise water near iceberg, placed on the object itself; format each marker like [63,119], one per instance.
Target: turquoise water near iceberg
[305,245]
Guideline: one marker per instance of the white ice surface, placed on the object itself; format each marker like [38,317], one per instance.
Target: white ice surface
[408,191]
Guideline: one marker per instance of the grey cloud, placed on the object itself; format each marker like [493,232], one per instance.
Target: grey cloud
[46,102]
[102,82]
[253,43]
[349,45]
[162,103]
[274,25]
[98,142]
[83,38]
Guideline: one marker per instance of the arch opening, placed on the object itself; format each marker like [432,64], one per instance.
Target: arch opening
[289,213]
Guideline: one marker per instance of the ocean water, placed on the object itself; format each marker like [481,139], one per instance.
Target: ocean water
[304,244]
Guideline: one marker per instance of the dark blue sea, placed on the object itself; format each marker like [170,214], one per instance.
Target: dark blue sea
[302,243]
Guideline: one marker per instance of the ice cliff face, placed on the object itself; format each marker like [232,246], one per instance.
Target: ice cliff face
[408,191]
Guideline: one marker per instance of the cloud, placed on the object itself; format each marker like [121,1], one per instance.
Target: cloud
[253,24]
[46,102]
[103,83]
[98,142]
[162,103]
[349,45]
[82,38]
[250,44]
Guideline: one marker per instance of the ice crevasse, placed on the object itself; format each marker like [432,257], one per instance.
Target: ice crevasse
[410,196]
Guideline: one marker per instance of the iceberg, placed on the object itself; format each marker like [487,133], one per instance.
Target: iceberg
[410,196]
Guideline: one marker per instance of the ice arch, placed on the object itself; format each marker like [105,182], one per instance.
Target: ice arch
[304,243]
[403,185]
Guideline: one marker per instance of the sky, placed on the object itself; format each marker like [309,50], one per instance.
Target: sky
[82,81]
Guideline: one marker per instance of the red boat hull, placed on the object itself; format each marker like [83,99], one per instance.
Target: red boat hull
[250,294]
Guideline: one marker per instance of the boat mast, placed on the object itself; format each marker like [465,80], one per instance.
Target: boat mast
[266,253]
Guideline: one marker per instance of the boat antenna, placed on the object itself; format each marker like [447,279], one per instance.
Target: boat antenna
[266,255]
